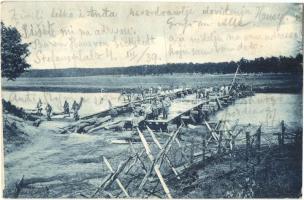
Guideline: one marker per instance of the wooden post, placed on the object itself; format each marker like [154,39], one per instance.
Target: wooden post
[155,161]
[279,139]
[258,144]
[218,103]
[161,148]
[204,149]
[191,150]
[112,177]
[297,139]
[117,180]
[219,149]
[283,132]
[247,145]
[138,157]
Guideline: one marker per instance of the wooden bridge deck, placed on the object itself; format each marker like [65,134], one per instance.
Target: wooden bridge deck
[124,107]
[178,109]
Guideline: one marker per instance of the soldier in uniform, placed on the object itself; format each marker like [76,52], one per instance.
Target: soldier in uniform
[48,111]
[76,107]
[154,108]
[165,107]
[39,107]
[66,108]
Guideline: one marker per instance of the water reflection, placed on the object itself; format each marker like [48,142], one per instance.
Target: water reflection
[268,109]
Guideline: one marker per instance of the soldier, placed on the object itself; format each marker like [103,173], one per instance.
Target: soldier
[66,109]
[154,108]
[39,107]
[48,111]
[165,107]
[142,92]
[76,107]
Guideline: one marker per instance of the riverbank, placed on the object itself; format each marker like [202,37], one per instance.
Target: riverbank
[75,161]
[286,83]
[71,165]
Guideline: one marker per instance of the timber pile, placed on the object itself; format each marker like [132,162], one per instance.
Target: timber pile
[85,126]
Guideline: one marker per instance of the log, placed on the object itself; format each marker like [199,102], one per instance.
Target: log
[113,176]
[19,187]
[99,121]
[104,126]
[154,166]
[158,159]
[161,148]
[119,125]
[37,122]
[117,180]
[139,157]
[219,103]
[135,161]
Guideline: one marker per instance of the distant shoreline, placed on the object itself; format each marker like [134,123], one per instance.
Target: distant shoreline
[262,83]
[291,90]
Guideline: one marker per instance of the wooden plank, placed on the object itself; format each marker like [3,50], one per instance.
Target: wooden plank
[159,156]
[162,182]
[219,103]
[161,148]
[138,157]
[112,177]
[208,126]
[146,146]
[117,180]
[154,166]
[213,134]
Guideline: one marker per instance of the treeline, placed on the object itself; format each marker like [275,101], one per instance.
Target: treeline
[259,65]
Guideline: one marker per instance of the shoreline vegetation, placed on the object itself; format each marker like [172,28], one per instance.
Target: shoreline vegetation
[281,64]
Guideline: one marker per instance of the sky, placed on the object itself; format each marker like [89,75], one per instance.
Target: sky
[118,34]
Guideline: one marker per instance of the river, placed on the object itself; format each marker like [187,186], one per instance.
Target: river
[64,159]
[268,109]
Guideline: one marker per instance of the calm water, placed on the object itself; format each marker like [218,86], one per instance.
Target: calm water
[92,103]
[268,109]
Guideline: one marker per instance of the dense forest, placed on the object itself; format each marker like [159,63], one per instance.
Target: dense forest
[258,65]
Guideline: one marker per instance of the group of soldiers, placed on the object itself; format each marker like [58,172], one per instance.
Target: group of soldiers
[205,92]
[48,109]
[141,93]
[159,107]
[66,109]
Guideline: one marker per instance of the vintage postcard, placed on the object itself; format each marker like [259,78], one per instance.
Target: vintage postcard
[151,99]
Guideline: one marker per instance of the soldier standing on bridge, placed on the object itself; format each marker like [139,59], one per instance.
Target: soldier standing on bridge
[48,109]
[165,107]
[76,107]
[154,108]
[66,109]
[39,107]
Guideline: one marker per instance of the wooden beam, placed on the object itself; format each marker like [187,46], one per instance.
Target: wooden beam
[154,166]
[138,157]
[160,156]
[161,148]
[219,103]
[112,177]
[146,145]
[117,180]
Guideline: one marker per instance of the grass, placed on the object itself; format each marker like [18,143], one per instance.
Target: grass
[260,82]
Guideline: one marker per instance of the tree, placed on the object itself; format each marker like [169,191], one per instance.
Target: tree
[13,53]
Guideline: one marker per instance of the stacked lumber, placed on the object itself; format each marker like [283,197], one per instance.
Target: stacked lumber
[85,126]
